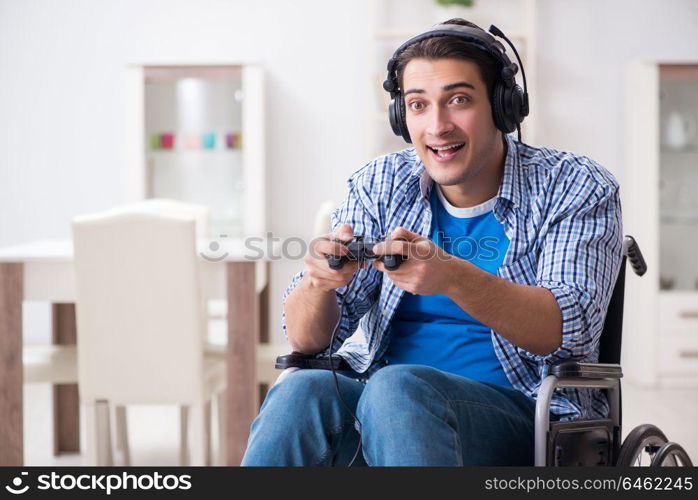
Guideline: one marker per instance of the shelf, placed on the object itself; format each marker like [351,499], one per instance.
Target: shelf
[682,293]
[678,72]
[692,149]
[193,151]
[674,218]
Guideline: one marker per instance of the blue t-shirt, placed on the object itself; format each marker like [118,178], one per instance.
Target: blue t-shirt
[433,330]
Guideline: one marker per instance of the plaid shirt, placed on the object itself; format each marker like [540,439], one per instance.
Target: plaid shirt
[561,213]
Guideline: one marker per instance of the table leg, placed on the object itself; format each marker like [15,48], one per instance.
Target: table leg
[263,297]
[243,336]
[11,370]
[66,404]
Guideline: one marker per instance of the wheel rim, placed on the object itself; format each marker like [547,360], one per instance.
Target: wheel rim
[671,455]
[646,451]
[641,445]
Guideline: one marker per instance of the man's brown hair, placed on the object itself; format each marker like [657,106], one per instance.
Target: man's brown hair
[451,47]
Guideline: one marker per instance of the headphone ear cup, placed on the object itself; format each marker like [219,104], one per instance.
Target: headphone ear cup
[393,116]
[396,115]
[402,117]
[507,107]
[498,108]
[517,104]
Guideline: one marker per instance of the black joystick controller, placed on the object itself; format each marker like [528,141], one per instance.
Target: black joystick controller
[360,250]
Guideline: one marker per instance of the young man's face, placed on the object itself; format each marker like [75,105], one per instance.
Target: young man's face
[446,106]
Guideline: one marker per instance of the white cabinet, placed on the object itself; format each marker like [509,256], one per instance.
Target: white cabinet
[395,21]
[660,204]
[196,133]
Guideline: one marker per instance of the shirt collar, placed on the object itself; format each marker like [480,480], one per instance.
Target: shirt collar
[512,187]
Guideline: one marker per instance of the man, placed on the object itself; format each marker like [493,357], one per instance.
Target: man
[512,252]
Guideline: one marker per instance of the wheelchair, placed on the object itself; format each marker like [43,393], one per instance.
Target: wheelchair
[581,442]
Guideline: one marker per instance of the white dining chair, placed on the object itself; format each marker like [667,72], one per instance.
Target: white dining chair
[57,364]
[165,206]
[322,222]
[141,325]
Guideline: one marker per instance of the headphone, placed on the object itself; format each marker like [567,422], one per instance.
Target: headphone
[509,101]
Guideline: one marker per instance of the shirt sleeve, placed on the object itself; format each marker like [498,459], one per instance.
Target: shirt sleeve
[361,293]
[580,259]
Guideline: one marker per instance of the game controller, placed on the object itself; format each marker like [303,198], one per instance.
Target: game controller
[360,250]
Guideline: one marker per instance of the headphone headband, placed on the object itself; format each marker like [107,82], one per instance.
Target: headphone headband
[476,36]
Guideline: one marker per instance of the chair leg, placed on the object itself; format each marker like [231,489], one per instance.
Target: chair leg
[122,434]
[207,433]
[105,455]
[222,407]
[99,449]
[184,435]
[200,442]
[91,435]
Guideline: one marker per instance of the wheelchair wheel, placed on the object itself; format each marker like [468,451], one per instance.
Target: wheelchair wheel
[641,446]
[671,454]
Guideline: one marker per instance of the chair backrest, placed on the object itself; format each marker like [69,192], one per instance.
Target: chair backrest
[166,206]
[140,316]
[322,223]
[612,333]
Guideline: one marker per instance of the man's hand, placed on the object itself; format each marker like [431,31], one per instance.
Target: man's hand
[311,308]
[427,269]
[317,270]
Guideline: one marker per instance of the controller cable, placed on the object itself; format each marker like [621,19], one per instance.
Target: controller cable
[360,261]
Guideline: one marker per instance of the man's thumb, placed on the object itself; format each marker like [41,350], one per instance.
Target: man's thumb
[344,233]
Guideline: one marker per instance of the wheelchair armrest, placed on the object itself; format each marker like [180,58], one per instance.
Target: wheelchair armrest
[571,373]
[300,360]
[586,370]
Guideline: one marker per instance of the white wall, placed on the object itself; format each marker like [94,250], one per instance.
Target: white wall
[61,89]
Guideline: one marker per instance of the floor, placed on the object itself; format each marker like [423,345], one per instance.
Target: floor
[154,430]
[153,433]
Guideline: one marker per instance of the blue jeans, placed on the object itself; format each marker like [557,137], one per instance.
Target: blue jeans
[410,415]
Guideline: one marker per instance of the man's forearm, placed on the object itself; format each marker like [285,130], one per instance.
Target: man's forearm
[528,316]
[311,314]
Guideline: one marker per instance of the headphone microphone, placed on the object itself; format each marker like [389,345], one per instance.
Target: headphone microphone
[497,32]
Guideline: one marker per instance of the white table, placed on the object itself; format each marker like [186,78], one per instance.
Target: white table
[43,271]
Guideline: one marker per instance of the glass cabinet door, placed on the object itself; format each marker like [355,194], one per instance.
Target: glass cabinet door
[193,140]
[678,177]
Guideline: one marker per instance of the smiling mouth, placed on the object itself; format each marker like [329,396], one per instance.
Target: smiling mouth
[445,153]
